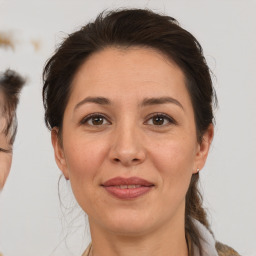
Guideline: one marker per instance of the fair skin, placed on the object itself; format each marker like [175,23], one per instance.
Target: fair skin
[5,147]
[144,127]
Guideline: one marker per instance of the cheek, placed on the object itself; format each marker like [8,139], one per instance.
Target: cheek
[81,161]
[5,167]
[84,157]
[174,161]
[173,156]
[84,160]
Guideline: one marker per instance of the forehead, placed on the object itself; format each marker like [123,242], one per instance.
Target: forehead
[2,101]
[1,96]
[128,70]
[5,115]
[2,118]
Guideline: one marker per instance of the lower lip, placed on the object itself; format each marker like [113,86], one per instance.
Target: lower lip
[128,193]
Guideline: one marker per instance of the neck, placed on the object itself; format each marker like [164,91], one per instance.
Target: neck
[168,240]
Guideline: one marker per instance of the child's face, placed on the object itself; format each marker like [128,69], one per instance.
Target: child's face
[5,147]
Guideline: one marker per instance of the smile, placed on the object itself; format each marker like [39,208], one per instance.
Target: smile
[127,188]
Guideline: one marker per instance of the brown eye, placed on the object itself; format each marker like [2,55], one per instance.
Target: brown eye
[95,120]
[158,120]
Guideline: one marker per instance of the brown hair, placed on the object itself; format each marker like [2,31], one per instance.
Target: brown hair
[10,85]
[136,27]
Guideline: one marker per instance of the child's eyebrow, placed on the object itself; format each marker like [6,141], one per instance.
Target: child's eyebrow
[5,150]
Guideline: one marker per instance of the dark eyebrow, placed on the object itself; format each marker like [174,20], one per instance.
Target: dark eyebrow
[161,100]
[145,102]
[96,100]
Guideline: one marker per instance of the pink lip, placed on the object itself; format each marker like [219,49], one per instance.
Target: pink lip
[113,187]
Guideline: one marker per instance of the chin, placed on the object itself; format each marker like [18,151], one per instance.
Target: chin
[129,223]
[129,228]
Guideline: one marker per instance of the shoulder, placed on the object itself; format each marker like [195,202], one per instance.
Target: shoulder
[224,250]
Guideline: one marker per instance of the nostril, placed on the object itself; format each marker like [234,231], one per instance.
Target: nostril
[135,160]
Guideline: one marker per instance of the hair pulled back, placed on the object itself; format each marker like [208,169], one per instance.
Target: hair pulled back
[128,28]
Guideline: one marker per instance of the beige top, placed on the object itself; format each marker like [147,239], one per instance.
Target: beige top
[87,251]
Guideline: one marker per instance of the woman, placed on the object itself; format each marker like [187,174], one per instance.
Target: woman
[129,102]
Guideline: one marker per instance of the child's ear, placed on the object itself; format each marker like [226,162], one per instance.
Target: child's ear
[58,152]
[203,149]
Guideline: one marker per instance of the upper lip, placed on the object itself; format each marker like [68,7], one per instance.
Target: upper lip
[117,181]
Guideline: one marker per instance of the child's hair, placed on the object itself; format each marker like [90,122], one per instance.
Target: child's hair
[10,86]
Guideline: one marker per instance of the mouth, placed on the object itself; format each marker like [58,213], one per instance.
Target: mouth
[127,188]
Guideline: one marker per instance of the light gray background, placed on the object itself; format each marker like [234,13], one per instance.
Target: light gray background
[31,221]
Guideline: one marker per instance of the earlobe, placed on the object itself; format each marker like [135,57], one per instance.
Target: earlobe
[203,149]
[58,152]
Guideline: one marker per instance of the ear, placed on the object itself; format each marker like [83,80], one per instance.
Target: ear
[203,149]
[58,152]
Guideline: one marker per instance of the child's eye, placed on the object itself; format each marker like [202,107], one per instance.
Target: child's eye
[160,120]
[95,120]
[5,150]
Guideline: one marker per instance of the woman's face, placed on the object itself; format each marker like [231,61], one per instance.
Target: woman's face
[129,145]
[5,154]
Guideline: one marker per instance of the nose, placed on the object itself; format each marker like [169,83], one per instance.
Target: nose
[127,147]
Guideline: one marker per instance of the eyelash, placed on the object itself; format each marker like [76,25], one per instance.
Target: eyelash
[5,150]
[85,120]
[170,120]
